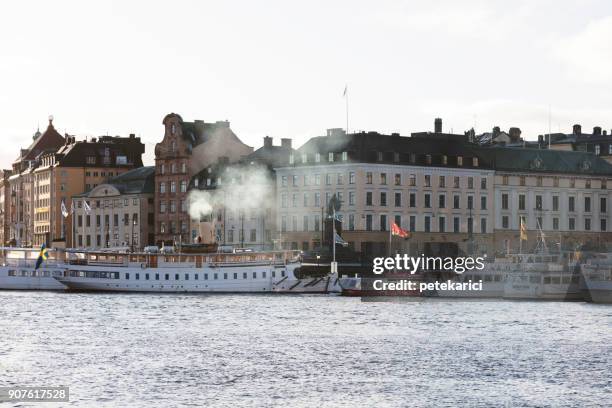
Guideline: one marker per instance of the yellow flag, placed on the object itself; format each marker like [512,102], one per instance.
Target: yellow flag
[523,230]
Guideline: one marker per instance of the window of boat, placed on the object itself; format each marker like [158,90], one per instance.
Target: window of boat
[235,275]
[263,274]
[225,276]
[555,279]
[146,276]
[274,274]
[157,276]
[535,279]
[283,274]
[205,276]
[566,279]
[133,258]
[127,276]
[215,277]
[186,276]
[167,276]
[137,276]
[82,274]
[93,257]
[11,272]
[244,275]
[102,257]
[176,276]
[547,280]
[254,275]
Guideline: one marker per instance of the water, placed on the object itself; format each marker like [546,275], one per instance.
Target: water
[170,350]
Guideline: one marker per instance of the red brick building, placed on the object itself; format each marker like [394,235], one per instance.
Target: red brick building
[186,149]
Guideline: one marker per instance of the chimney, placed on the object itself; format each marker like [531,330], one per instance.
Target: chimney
[438,125]
[496,131]
[267,141]
[576,129]
[605,133]
[515,134]
[286,143]
[132,135]
[596,131]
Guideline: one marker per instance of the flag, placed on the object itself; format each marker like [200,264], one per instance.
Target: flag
[523,230]
[345,90]
[64,210]
[338,239]
[86,207]
[72,207]
[42,256]
[396,230]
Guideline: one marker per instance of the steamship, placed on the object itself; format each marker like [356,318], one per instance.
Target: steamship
[18,269]
[247,272]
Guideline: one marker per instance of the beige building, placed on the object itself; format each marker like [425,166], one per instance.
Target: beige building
[121,212]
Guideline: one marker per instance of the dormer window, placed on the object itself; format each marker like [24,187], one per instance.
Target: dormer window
[428,159]
[173,146]
[474,161]
[396,157]
[379,156]
[345,156]
[444,160]
[304,158]
[90,160]
[317,158]
[291,159]
[459,160]
[330,157]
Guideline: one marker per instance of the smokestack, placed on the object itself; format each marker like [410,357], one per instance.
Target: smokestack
[577,129]
[596,131]
[438,125]
[267,141]
[285,142]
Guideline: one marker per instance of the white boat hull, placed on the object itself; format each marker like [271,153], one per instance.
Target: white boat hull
[25,278]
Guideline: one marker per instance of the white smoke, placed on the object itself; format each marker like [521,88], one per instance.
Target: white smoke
[241,188]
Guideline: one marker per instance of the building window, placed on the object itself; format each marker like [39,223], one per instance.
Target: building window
[352,177]
[603,204]
[427,200]
[368,198]
[351,222]
[317,199]
[412,199]
[340,179]
[556,223]
[539,181]
[427,220]
[456,201]
[483,203]
[470,202]
[587,224]
[379,156]
[441,224]
[173,187]
[183,186]
[522,205]
[412,224]
[572,224]
[470,183]
[398,179]
[555,203]
[483,225]
[317,157]
[504,202]
[330,157]
[368,178]
[398,199]
[505,180]
[522,180]
[505,222]
[383,178]
[603,225]
[427,180]
[571,204]
[538,200]
[459,161]
[441,201]
[383,222]
[351,198]
[587,204]
[328,179]
[474,161]
[442,182]
[456,224]
[368,222]
[383,199]
[483,183]
[344,156]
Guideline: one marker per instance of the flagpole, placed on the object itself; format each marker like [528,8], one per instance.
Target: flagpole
[334,234]
[347,108]
[390,235]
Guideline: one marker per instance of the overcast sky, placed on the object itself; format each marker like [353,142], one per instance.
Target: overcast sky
[278,68]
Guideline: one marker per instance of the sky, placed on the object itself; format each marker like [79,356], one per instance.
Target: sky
[279,68]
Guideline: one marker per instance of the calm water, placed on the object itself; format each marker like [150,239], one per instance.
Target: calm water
[170,350]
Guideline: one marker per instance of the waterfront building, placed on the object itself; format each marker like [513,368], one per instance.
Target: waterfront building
[21,212]
[5,207]
[185,150]
[121,212]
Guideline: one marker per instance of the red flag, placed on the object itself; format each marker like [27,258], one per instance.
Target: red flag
[396,230]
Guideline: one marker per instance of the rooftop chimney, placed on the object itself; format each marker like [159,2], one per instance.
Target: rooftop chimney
[496,131]
[286,143]
[515,134]
[438,125]
[267,141]
[596,131]
[577,129]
